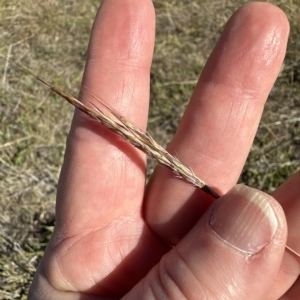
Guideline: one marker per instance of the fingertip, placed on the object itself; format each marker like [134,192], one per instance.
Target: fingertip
[271,12]
[271,27]
[123,30]
[253,43]
[262,13]
[248,220]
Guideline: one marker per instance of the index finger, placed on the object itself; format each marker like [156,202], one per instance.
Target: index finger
[103,177]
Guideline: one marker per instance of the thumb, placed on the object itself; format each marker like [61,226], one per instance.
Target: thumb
[233,252]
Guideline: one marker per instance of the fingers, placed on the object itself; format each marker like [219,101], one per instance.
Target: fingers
[219,125]
[233,252]
[103,177]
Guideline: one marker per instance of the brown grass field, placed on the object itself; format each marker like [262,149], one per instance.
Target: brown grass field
[50,38]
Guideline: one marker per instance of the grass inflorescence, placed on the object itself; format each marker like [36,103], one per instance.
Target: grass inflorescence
[129,132]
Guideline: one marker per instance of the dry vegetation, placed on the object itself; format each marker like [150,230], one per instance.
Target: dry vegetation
[51,39]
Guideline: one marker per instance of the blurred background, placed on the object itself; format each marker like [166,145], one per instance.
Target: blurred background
[50,38]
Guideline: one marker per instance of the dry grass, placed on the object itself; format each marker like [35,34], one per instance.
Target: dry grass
[51,38]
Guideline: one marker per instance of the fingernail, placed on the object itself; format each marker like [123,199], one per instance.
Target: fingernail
[244,219]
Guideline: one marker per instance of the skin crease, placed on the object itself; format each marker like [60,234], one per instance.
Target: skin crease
[112,237]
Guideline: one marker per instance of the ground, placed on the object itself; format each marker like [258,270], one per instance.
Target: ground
[50,38]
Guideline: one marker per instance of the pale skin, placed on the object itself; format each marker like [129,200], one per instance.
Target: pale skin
[112,236]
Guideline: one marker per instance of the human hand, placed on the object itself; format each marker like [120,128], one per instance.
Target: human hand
[112,238]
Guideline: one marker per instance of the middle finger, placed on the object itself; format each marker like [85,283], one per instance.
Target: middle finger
[219,125]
